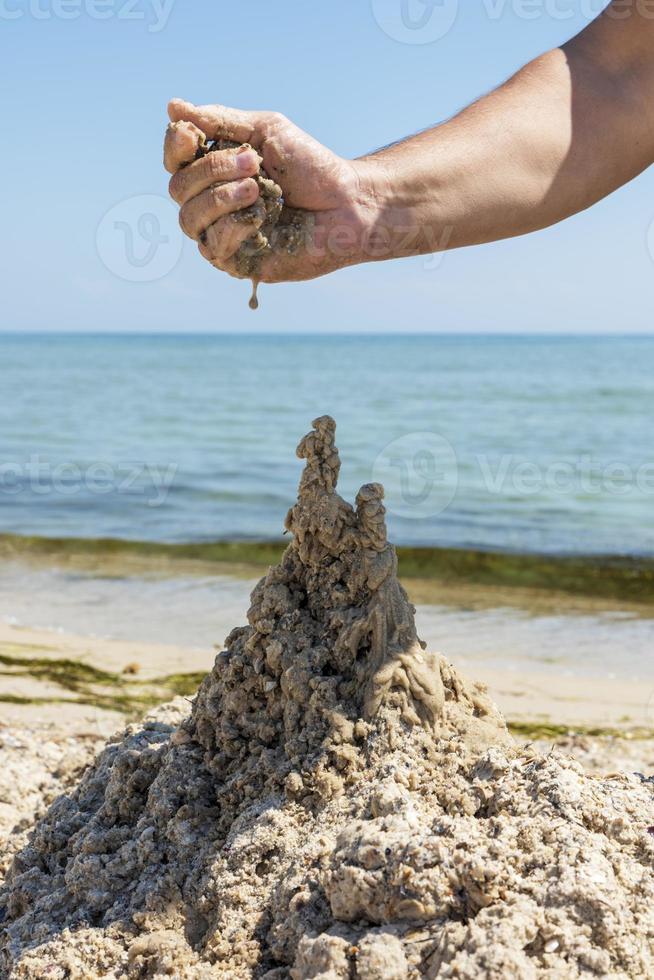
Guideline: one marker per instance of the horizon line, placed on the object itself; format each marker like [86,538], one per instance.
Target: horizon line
[331,333]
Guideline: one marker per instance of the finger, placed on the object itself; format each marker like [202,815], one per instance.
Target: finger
[214,168]
[226,265]
[181,145]
[214,203]
[222,240]
[217,121]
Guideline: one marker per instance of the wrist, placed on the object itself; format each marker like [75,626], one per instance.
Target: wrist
[348,234]
[398,217]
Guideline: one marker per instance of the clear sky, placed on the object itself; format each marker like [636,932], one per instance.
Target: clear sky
[86,84]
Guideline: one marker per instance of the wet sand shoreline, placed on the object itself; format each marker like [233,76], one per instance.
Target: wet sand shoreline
[569,581]
[138,675]
[84,678]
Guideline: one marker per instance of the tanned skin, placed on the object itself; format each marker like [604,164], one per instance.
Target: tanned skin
[567,130]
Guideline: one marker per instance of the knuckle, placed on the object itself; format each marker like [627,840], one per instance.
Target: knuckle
[215,164]
[184,222]
[176,186]
[218,117]
[219,243]
[208,239]
[217,195]
[211,257]
[276,119]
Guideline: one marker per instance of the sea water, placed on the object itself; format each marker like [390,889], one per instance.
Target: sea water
[534,444]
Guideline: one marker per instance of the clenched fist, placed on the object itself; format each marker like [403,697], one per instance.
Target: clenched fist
[330,197]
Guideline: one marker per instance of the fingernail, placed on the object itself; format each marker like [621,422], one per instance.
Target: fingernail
[244,189]
[246,159]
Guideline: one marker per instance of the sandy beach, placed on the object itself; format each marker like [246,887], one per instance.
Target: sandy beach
[530,648]
[327,614]
[527,698]
[59,690]
[50,733]
[334,787]
[82,630]
[526,713]
[64,693]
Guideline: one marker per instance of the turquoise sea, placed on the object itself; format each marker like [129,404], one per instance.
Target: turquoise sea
[530,444]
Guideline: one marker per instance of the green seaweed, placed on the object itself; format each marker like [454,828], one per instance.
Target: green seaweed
[134,697]
[130,697]
[17,699]
[541,730]
[70,674]
[181,684]
[599,576]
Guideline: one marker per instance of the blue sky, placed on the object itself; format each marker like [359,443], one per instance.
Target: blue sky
[87,83]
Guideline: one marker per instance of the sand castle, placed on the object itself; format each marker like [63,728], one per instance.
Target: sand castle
[339,803]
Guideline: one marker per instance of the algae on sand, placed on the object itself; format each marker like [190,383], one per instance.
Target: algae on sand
[338,804]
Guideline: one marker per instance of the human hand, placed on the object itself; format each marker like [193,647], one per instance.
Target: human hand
[333,198]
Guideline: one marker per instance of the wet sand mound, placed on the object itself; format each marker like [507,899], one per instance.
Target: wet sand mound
[340,803]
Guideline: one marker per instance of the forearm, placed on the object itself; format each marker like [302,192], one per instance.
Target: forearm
[563,133]
[567,130]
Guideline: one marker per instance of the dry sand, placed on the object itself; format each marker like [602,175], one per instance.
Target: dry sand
[339,803]
[525,695]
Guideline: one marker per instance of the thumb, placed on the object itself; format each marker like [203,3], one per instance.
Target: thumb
[181,145]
